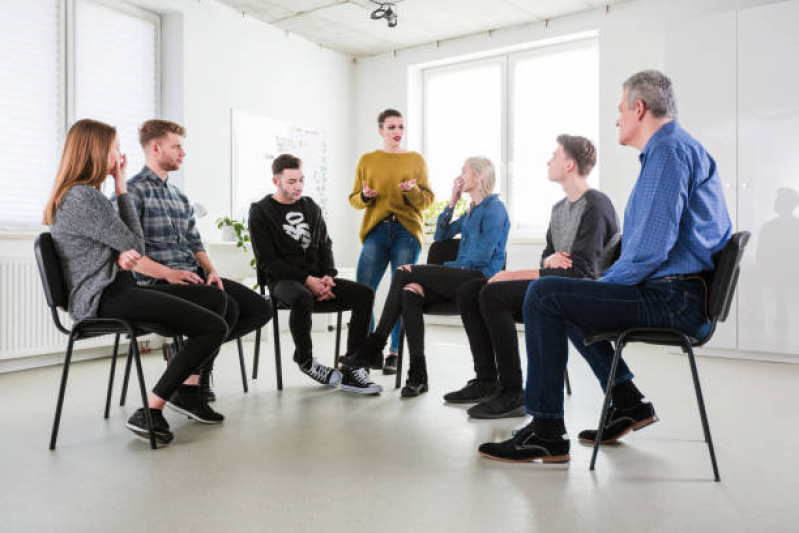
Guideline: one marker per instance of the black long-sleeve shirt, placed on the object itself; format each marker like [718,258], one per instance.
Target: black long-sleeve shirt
[587,229]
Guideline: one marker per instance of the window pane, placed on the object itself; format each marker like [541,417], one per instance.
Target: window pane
[31,108]
[116,72]
[462,118]
[553,91]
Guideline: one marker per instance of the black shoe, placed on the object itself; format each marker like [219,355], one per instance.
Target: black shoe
[413,388]
[321,373]
[137,423]
[368,352]
[188,401]
[505,404]
[527,446]
[205,386]
[390,364]
[622,421]
[357,380]
[474,391]
[377,362]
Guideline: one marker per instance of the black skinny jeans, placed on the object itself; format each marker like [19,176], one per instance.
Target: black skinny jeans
[489,312]
[194,311]
[245,311]
[352,296]
[440,284]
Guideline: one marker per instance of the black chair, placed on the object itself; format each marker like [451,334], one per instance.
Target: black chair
[178,343]
[720,294]
[328,306]
[56,295]
[439,253]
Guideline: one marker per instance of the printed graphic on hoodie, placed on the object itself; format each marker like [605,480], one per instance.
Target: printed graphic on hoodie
[297,228]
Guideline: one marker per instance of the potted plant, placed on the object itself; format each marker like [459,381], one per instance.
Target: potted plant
[431,214]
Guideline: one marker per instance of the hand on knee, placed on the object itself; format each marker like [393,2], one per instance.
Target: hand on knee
[414,287]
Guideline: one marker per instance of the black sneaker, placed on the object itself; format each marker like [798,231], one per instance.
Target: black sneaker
[622,421]
[413,388]
[205,386]
[377,362]
[505,404]
[474,391]
[137,423]
[527,446]
[188,401]
[321,373]
[390,364]
[368,352]
[357,380]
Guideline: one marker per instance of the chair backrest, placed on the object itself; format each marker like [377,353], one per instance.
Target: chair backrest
[725,276]
[442,251]
[55,290]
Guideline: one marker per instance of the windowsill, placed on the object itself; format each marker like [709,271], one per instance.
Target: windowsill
[20,235]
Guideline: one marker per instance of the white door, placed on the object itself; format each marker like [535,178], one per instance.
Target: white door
[768,177]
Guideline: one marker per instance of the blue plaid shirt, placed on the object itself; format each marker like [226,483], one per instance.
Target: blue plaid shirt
[676,217]
[167,218]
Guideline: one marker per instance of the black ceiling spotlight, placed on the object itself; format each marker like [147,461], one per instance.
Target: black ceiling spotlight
[386,10]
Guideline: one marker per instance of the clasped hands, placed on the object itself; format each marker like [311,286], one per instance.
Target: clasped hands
[321,288]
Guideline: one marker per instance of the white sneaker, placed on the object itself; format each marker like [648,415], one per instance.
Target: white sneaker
[357,380]
[321,373]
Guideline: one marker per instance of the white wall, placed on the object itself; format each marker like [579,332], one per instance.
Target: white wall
[632,37]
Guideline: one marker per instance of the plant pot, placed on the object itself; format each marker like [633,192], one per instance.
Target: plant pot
[229,234]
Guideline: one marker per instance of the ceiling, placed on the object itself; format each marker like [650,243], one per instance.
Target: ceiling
[345,25]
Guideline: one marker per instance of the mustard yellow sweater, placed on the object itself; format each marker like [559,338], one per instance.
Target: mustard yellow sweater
[383,172]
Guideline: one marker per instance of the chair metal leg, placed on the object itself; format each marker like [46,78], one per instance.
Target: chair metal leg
[111,377]
[124,394]
[241,364]
[400,350]
[701,402]
[568,383]
[257,353]
[135,344]
[338,340]
[61,391]
[278,368]
[606,404]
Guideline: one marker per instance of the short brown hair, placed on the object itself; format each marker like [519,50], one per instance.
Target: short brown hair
[381,118]
[157,128]
[284,161]
[581,151]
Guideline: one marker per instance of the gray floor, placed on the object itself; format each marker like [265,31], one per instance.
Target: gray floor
[316,459]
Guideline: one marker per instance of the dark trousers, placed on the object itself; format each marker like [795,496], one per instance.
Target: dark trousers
[245,311]
[489,312]
[194,311]
[557,309]
[440,283]
[352,296]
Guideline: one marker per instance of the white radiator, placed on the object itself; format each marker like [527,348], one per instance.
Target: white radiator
[26,325]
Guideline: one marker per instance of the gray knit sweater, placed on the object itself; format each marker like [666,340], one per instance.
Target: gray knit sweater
[89,235]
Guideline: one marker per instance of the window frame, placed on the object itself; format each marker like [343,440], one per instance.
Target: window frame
[507,58]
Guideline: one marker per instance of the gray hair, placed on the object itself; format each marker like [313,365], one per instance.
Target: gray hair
[655,90]
[483,167]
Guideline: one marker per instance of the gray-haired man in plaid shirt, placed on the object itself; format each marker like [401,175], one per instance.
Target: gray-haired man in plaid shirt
[174,251]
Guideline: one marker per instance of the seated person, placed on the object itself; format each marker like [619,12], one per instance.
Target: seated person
[484,234]
[675,220]
[98,248]
[174,250]
[291,246]
[583,233]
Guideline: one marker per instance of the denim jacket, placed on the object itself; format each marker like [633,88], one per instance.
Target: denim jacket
[484,235]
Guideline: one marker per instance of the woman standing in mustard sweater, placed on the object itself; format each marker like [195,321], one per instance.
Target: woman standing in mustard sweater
[391,185]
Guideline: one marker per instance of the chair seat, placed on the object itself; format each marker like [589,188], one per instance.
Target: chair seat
[327,306]
[660,336]
[442,309]
[98,327]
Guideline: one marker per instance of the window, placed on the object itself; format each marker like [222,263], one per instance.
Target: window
[511,108]
[112,62]
[116,71]
[32,107]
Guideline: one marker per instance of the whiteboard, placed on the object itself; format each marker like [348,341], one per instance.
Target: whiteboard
[255,142]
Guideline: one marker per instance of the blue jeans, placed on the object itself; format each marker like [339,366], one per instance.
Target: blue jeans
[388,242]
[559,308]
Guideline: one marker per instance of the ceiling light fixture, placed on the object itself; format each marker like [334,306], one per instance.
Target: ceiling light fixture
[386,10]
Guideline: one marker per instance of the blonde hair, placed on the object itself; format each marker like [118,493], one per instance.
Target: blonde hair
[483,167]
[83,162]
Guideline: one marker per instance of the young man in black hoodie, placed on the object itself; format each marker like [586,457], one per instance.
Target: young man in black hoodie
[292,247]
